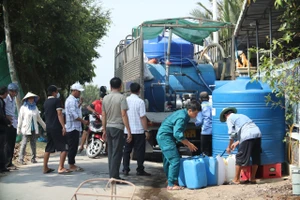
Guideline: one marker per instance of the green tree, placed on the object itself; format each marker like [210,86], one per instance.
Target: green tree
[229,11]
[90,93]
[55,41]
[284,78]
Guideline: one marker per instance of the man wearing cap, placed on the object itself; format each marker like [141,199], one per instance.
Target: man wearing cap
[248,136]
[73,124]
[56,130]
[11,134]
[204,119]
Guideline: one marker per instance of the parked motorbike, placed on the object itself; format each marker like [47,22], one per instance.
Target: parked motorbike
[95,143]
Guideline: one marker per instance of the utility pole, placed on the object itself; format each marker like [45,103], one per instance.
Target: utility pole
[11,65]
[215,18]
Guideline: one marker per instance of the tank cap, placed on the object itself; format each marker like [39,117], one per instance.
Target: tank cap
[253,86]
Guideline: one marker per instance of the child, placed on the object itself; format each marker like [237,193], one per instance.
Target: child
[172,131]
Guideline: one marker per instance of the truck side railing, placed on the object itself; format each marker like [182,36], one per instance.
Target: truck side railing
[129,62]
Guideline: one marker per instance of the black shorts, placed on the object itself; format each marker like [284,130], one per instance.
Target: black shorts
[56,141]
[249,149]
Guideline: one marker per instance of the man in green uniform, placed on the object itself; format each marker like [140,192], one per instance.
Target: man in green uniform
[172,131]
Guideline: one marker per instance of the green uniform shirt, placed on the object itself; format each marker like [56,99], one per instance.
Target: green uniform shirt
[174,126]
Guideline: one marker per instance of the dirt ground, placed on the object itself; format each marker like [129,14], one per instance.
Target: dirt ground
[279,188]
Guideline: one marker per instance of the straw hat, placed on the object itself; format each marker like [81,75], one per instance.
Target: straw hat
[225,110]
[28,95]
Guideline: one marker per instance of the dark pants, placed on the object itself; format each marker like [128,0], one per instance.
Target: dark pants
[11,135]
[206,144]
[115,144]
[137,143]
[2,150]
[73,142]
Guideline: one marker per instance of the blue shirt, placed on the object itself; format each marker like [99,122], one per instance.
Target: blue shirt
[241,128]
[204,118]
[10,109]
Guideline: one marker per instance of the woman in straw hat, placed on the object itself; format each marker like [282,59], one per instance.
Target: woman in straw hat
[27,125]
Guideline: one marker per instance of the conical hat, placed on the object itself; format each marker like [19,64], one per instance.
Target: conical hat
[28,95]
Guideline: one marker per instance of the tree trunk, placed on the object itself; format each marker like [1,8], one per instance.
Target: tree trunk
[12,69]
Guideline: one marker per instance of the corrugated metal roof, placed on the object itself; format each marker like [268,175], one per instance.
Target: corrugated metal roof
[257,11]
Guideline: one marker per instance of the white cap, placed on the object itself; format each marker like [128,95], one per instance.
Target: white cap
[77,86]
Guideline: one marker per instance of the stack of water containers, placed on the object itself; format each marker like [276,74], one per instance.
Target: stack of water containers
[200,171]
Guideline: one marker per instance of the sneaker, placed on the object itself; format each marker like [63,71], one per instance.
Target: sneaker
[143,173]
[33,161]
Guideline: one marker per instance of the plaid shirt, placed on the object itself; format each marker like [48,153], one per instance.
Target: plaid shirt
[136,110]
[72,111]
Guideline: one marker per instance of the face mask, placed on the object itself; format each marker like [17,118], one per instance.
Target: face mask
[57,95]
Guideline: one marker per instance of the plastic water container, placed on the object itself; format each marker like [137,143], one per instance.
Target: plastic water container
[195,173]
[230,167]
[181,177]
[221,170]
[211,166]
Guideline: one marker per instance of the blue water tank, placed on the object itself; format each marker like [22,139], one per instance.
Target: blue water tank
[157,48]
[181,79]
[250,99]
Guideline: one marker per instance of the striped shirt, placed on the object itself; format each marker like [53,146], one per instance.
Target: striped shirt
[72,112]
[10,109]
[136,110]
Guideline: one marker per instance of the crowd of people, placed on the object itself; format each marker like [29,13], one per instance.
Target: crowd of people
[125,129]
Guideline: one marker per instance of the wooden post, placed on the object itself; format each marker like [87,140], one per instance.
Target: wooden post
[11,65]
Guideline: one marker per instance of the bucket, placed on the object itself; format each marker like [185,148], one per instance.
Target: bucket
[296,181]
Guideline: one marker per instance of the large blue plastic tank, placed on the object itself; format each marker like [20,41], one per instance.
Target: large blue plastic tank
[195,173]
[157,48]
[250,99]
[180,79]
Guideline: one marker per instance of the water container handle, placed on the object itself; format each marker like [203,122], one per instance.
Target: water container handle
[255,85]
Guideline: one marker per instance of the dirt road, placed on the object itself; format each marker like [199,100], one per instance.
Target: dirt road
[29,183]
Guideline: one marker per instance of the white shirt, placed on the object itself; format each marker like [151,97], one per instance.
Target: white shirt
[136,110]
[72,112]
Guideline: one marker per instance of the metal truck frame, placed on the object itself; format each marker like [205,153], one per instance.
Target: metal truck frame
[129,67]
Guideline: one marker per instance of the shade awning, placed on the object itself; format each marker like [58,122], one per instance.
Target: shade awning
[194,30]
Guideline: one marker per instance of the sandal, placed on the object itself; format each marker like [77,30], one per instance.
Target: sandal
[175,187]
[233,183]
[77,169]
[65,172]
[49,170]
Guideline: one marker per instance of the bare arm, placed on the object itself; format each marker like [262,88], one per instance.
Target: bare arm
[190,145]
[228,149]
[104,125]
[61,120]
[126,123]
[145,126]
[91,109]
